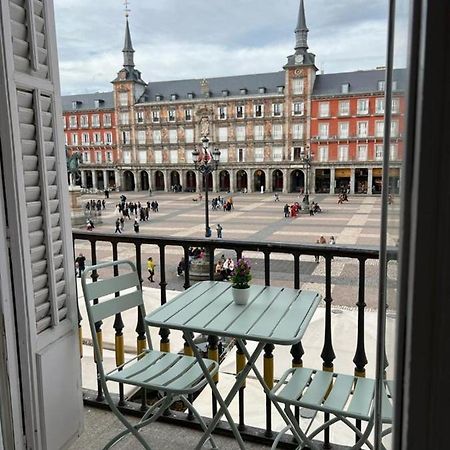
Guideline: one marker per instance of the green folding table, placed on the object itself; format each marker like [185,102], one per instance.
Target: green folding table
[272,315]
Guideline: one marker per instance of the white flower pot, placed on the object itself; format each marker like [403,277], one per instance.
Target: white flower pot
[240,296]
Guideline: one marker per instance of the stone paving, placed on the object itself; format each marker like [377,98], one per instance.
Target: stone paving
[257,217]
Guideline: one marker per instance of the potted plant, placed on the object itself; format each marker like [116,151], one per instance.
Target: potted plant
[240,278]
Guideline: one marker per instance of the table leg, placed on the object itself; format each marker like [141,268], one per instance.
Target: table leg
[234,390]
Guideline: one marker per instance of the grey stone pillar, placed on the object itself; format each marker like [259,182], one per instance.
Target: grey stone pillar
[105,180]
[166,181]
[94,179]
[83,178]
[352,180]
[369,181]
[215,181]
[199,181]
[250,174]
[332,180]
[312,180]
[269,180]
[137,181]
[232,180]
[150,180]
[285,181]
[118,180]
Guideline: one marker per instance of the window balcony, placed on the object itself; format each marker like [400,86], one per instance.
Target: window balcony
[322,345]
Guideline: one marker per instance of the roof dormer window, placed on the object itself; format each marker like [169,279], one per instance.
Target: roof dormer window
[190,95]
[262,90]
[225,93]
[158,97]
[243,91]
[345,88]
[280,89]
[173,96]
[76,104]
[98,103]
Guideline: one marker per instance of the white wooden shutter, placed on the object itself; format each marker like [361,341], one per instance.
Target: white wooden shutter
[38,224]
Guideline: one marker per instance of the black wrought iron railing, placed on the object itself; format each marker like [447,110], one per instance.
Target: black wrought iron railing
[104,247]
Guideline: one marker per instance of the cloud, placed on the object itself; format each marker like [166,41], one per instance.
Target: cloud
[177,39]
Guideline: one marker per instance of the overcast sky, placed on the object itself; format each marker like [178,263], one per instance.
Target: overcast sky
[177,39]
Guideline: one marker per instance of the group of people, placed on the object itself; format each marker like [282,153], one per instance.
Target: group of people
[343,197]
[224,268]
[322,240]
[292,210]
[95,205]
[140,211]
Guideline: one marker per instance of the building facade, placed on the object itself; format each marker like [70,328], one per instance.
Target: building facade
[289,131]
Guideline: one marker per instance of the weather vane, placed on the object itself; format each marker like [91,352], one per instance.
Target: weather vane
[127,10]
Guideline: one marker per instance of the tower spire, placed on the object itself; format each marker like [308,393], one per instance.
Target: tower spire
[128,51]
[301,31]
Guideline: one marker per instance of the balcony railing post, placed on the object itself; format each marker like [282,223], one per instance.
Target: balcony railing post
[267,268]
[80,331]
[213,353]
[360,358]
[240,364]
[187,281]
[268,378]
[164,344]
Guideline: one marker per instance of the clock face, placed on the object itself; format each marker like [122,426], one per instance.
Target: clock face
[298,59]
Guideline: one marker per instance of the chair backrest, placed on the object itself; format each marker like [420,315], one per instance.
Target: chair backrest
[112,295]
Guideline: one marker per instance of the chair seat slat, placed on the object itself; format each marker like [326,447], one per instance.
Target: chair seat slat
[361,402]
[318,389]
[192,376]
[342,389]
[296,384]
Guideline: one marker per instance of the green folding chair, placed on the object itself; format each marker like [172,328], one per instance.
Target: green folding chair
[173,376]
[344,397]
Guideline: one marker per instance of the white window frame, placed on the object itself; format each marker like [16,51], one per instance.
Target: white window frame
[344,108]
[109,158]
[156,116]
[108,138]
[74,139]
[86,157]
[73,122]
[171,115]
[125,137]
[379,152]
[298,86]
[240,132]
[140,116]
[188,115]
[395,105]
[123,98]
[324,130]
[158,156]
[298,108]
[173,136]
[157,136]
[277,153]
[275,134]
[97,138]
[189,135]
[259,154]
[85,139]
[95,118]
[323,153]
[124,118]
[342,153]
[107,120]
[258,132]
[98,157]
[343,130]
[277,109]
[395,129]
[84,121]
[223,155]
[223,134]
[240,154]
[362,129]
[361,109]
[324,109]
[126,157]
[141,137]
[298,131]
[173,156]
[379,128]
[393,152]
[258,110]
[379,105]
[142,155]
[222,112]
[240,112]
[361,152]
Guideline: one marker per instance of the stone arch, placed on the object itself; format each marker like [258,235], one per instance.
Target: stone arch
[259,180]
[224,181]
[297,181]
[175,179]
[145,185]
[191,181]
[277,180]
[241,180]
[159,181]
[128,181]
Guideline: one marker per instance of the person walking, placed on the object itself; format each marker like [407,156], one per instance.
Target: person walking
[286,210]
[136,226]
[117,227]
[80,262]
[122,223]
[219,231]
[316,257]
[151,269]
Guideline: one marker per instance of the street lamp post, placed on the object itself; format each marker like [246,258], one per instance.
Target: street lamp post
[306,158]
[206,163]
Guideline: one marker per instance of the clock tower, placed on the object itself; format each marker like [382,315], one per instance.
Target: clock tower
[300,74]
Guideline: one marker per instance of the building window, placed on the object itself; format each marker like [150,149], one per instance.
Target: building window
[142,156]
[64,122]
[258,132]
[95,120]
[66,139]
[241,155]
[73,121]
[173,136]
[124,118]
[188,115]
[394,128]
[98,157]
[379,128]
[74,104]
[262,90]
[127,157]
[362,152]
[158,157]
[107,120]
[85,139]
[345,88]
[277,153]
[173,156]
[362,129]
[74,139]
[84,121]
[155,116]
[225,92]
[240,133]
[395,105]
[223,134]
[380,85]
[140,116]
[223,155]
[298,109]
[259,110]
[379,105]
[86,157]
[343,153]
[157,136]
[297,131]
[280,89]
[259,154]
[243,91]
[240,111]
[97,138]
[109,157]
[344,130]
[298,86]
[323,130]
[126,137]
[222,111]
[323,153]
[123,98]
[190,95]
[173,96]
[363,106]
[188,156]
[379,152]
[393,153]
[141,137]
[98,103]
[344,108]
[277,131]
[171,115]
[277,109]
[189,135]
[108,138]
[324,109]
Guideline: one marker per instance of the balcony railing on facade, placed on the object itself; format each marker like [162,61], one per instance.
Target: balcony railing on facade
[111,245]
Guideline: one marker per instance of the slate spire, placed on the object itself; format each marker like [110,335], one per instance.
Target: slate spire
[301,31]
[128,51]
